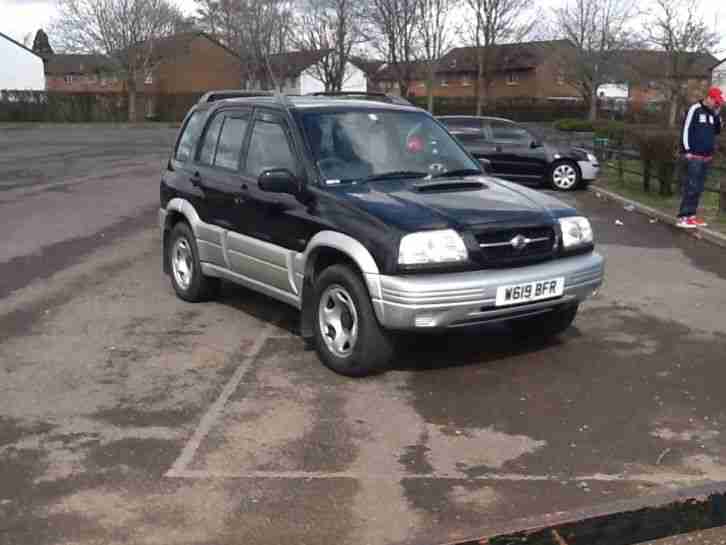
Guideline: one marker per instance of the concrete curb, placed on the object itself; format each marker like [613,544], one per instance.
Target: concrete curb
[100,124]
[623,522]
[709,235]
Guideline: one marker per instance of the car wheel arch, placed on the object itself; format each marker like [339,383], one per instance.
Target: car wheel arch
[325,249]
[177,210]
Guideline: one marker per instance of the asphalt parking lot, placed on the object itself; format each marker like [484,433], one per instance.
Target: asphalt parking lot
[129,416]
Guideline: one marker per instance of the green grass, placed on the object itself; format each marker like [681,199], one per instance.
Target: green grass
[632,188]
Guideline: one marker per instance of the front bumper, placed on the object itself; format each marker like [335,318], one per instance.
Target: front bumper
[589,170]
[442,301]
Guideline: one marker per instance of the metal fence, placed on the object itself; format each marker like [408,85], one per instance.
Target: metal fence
[669,175]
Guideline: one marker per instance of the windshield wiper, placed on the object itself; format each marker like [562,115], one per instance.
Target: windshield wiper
[395,174]
[459,172]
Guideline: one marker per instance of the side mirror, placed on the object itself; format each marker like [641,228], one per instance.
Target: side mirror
[486,164]
[278,180]
[535,144]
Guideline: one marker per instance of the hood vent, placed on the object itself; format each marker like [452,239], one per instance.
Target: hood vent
[448,185]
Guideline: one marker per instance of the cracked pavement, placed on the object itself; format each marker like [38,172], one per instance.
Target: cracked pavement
[127,415]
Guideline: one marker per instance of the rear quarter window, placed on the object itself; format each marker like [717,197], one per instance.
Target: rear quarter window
[188,139]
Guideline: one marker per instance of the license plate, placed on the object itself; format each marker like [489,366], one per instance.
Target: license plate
[530,291]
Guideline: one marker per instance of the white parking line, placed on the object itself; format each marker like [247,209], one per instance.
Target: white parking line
[211,416]
[655,478]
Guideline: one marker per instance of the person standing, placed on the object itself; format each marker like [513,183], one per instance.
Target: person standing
[702,124]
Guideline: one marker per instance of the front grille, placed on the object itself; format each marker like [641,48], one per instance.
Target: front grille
[496,249]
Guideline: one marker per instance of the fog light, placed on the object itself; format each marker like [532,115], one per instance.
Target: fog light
[425,320]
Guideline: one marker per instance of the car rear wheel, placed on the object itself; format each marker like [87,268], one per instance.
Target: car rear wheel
[565,176]
[348,338]
[545,325]
[186,272]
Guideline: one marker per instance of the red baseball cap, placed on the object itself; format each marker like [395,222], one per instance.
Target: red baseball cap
[715,94]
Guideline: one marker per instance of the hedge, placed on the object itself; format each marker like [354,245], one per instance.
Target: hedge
[574,125]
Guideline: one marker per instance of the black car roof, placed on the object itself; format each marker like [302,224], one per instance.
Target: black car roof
[486,117]
[310,103]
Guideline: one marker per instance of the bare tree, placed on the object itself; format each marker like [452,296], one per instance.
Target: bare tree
[599,31]
[436,38]
[41,45]
[393,27]
[257,29]
[677,28]
[123,30]
[496,22]
[27,40]
[332,25]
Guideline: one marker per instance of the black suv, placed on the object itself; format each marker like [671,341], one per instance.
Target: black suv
[513,152]
[368,217]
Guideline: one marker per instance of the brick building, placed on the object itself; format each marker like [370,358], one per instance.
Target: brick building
[189,63]
[520,70]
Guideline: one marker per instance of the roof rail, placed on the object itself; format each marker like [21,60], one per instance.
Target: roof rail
[392,99]
[212,96]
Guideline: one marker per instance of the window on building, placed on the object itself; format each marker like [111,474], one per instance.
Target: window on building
[68,78]
[269,148]
[465,82]
[230,143]
[149,79]
[444,83]
[513,78]
[560,78]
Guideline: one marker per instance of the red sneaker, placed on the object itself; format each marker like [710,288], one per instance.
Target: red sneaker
[686,223]
[698,222]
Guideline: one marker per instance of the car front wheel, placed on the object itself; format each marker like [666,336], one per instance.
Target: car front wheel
[348,338]
[565,176]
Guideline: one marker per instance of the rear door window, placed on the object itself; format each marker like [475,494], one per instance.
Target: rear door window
[509,133]
[209,143]
[230,143]
[188,139]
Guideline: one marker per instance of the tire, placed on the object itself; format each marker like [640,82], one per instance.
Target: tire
[185,270]
[550,324]
[565,176]
[347,336]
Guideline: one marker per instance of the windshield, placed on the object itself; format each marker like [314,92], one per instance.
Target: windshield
[368,145]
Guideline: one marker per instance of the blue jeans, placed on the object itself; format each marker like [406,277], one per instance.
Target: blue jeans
[693,186]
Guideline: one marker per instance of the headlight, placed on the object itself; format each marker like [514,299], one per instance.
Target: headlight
[591,158]
[429,247]
[576,231]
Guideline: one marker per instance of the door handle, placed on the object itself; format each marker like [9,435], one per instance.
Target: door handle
[196,180]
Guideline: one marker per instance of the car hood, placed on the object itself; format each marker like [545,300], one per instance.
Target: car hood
[456,203]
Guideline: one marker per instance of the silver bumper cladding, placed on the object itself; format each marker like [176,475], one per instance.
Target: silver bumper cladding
[590,171]
[436,301]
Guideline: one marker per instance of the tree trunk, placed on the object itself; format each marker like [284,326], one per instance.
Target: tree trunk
[592,115]
[480,84]
[430,91]
[672,113]
[131,88]
[646,175]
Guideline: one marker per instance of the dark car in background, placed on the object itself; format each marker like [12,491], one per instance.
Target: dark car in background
[513,152]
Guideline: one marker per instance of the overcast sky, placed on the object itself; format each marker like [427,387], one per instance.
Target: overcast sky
[20,18]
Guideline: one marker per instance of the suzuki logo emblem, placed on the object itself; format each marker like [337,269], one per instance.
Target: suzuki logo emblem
[519,242]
